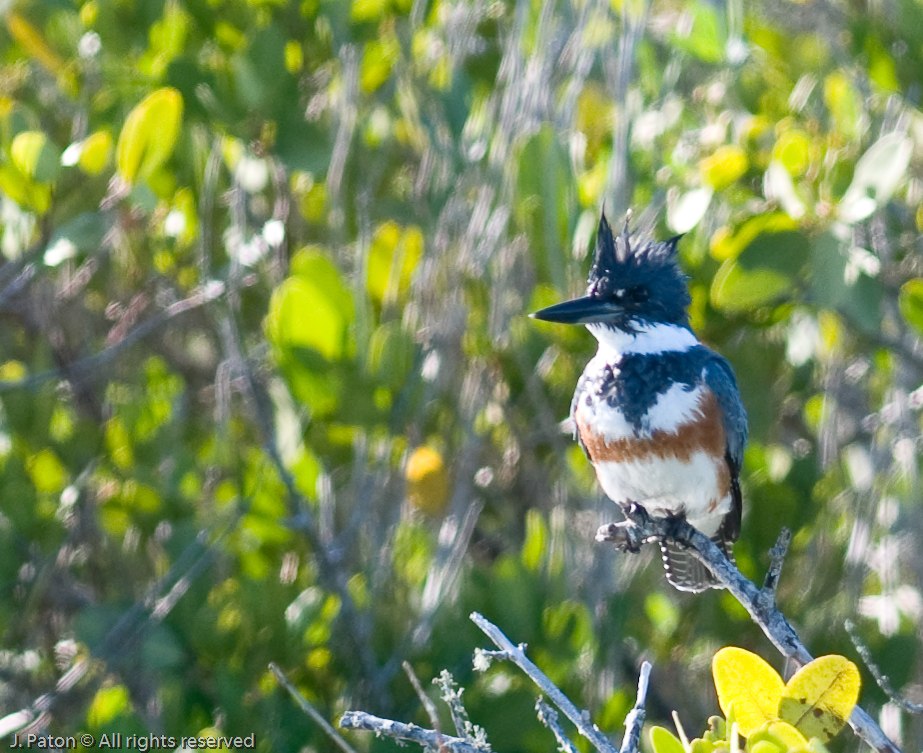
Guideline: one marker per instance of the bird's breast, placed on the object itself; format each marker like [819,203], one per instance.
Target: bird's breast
[670,458]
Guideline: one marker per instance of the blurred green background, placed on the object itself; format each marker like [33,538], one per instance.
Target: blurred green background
[268,388]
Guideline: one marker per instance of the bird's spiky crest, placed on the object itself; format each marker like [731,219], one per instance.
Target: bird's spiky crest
[618,256]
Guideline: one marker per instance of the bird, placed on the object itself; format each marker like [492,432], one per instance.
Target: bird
[658,414]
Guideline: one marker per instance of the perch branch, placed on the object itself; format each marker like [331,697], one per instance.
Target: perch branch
[760,603]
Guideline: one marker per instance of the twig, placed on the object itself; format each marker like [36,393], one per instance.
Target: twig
[635,719]
[760,603]
[401,731]
[549,717]
[427,702]
[517,655]
[86,367]
[452,696]
[308,709]
[882,679]
[777,555]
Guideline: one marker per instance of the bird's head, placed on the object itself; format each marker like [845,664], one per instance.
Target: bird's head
[634,283]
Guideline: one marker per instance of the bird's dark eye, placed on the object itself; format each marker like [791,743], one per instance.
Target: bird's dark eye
[638,294]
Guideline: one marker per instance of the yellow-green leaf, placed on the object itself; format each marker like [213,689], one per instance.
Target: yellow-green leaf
[724,166]
[48,473]
[108,703]
[664,741]
[820,697]
[911,302]
[150,134]
[95,153]
[393,258]
[26,150]
[536,543]
[781,734]
[311,308]
[744,679]
[793,151]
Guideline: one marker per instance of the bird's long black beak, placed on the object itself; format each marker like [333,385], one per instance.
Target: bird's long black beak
[584,310]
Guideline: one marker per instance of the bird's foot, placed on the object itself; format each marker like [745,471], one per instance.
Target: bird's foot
[628,536]
[625,535]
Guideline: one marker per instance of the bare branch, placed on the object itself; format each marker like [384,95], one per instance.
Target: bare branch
[86,367]
[427,702]
[635,719]
[880,677]
[760,603]
[401,731]
[517,655]
[549,717]
[308,709]
[452,696]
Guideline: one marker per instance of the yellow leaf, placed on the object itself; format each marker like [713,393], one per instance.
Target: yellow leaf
[724,166]
[150,134]
[96,152]
[48,473]
[793,150]
[744,679]
[26,150]
[427,481]
[820,697]
[107,704]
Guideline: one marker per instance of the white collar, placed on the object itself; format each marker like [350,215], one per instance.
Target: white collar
[647,339]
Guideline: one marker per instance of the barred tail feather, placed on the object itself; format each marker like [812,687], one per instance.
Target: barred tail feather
[685,572]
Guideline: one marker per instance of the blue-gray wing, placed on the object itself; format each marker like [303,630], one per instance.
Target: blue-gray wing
[719,377]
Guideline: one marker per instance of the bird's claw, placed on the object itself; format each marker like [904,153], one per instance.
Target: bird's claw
[626,536]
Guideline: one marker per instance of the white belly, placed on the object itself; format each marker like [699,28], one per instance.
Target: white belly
[669,486]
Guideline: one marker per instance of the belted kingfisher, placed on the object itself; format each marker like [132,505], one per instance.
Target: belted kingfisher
[657,413]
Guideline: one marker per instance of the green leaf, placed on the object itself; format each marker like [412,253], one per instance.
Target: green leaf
[763,270]
[754,688]
[107,704]
[707,38]
[150,134]
[664,741]
[837,284]
[35,156]
[910,301]
[726,245]
[819,698]
[311,308]
[785,252]
[545,201]
[736,289]
[533,550]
